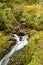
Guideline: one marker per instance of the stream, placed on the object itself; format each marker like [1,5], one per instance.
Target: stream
[18,46]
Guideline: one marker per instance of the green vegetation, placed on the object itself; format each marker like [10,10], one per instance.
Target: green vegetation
[12,14]
[5,44]
[35,48]
[34,63]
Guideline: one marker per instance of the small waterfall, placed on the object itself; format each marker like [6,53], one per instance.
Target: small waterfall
[19,45]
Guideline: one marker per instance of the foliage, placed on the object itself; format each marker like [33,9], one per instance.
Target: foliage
[2,12]
[34,63]
[1,5]
[4,44]
[30,12]
[33,16]
[33,47]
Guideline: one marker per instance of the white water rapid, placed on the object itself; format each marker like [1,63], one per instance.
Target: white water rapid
[19,45]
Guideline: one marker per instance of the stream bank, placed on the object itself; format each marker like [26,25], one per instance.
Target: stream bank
[18,46]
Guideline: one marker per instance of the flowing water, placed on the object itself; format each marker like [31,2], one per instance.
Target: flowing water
[19,45]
